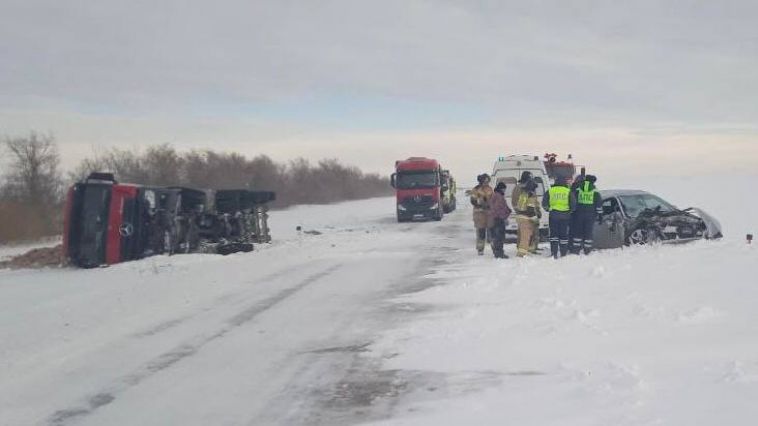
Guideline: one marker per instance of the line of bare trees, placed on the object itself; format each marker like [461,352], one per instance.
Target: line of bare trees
[32,185]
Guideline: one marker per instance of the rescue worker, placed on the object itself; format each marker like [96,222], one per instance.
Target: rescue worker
[499,213]
[589,208]
[560,201]
[526,176]
[480,199]
[528,214]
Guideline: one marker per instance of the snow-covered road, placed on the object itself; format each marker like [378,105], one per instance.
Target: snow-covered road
[271,337]
[370,321]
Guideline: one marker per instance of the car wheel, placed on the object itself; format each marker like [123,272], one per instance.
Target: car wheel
[643,236]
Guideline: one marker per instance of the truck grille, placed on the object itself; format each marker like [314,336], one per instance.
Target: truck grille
[418,202]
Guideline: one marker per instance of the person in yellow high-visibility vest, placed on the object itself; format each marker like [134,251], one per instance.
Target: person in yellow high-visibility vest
[589,208]
[560,201]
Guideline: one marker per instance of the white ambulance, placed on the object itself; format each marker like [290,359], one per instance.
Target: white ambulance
[508,169]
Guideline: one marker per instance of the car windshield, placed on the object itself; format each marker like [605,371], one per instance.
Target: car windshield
[410,180]
[636,204]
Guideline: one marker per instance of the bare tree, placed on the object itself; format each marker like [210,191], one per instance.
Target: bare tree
[33,179]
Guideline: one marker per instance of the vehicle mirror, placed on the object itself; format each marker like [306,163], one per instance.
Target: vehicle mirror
[393,180]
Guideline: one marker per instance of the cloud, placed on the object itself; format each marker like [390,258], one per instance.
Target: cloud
[284,77]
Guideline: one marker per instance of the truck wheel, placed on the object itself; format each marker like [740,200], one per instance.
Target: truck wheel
[439,215]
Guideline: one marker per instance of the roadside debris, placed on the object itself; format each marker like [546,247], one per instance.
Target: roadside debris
[44,257]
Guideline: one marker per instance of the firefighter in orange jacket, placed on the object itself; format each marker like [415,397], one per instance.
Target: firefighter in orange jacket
[480,199]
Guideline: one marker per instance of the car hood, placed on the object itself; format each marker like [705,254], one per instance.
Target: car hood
[712,225]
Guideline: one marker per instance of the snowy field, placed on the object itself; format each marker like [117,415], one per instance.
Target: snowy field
[374,322]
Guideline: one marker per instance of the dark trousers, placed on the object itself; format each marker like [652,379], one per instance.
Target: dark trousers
[497,238]
[582,231]
[481,239]
[559,233]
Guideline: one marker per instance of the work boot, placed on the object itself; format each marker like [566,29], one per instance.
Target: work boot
[500,255]
[588,247]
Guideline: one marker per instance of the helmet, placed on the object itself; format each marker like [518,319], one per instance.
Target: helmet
[482,178]
[526,176]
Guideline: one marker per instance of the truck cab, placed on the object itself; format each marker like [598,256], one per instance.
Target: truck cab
[562,169]
[508,169]
[418,185]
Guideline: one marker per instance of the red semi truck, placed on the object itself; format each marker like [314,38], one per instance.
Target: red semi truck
[419,184]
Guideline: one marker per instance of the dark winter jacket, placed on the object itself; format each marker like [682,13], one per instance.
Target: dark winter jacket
[498,207]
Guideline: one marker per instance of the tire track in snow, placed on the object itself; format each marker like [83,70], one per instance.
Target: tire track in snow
[179,353]
[171,323]
[348,384]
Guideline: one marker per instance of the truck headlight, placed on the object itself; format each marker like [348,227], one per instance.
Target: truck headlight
[434,206]
[401,208]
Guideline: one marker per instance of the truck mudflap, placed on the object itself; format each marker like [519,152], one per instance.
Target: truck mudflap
[713,227]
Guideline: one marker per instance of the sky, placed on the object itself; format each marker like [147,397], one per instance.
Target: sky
[660,87]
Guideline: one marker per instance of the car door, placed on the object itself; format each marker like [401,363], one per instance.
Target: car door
[609,232]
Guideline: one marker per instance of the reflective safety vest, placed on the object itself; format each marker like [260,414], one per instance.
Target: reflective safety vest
[559,199]
[523,201]
[586,196]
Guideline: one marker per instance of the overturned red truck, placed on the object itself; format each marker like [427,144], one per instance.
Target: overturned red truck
[106,222]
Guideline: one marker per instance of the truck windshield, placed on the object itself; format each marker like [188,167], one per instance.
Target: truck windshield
[562,170]
[636,204]
[411,180]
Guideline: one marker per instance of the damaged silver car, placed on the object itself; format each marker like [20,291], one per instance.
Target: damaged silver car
[632,217]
